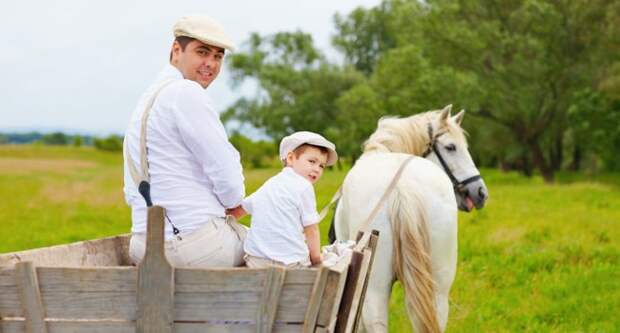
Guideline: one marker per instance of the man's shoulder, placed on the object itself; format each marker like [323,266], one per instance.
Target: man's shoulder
[184,87]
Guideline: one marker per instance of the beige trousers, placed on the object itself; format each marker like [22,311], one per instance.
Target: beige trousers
[258,262]
[219,243]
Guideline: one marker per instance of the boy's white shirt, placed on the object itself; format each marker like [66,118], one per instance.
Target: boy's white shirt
[280,210]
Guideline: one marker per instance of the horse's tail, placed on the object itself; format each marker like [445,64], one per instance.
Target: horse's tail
[412,262]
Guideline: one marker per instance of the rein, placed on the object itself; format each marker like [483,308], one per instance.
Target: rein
[375,210]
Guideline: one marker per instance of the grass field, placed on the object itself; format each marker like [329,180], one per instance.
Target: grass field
[538,258]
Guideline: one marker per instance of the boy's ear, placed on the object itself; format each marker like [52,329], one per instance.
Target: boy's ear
[290,158]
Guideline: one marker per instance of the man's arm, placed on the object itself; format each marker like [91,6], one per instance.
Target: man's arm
[313,240]
[204,134]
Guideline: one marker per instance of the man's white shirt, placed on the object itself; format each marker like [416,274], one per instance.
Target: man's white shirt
[195,173]
[280,210]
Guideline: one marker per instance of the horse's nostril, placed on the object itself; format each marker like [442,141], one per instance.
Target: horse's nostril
[481,193]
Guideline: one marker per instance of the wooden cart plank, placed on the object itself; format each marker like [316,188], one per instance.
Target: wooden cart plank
[372,245]
[357,292]
[10,303]
[333,293]
[28,285]
[192,280]
[130,327]
[112,251]
[268,306]
[155,295]
[316,296]
[293,302]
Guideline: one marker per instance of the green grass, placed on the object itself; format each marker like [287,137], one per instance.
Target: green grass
[538,258]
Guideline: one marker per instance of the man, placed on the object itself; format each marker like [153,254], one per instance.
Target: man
[193,170]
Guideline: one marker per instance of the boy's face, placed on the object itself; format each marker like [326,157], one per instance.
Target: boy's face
[309,164]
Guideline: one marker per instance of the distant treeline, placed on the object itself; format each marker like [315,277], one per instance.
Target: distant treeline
[254,154]
[109,143]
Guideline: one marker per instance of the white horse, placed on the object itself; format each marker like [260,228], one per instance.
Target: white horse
[418,221]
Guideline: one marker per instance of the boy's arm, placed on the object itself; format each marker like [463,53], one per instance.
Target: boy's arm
[313,240]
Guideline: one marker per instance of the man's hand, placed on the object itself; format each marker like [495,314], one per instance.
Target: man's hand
[238,212]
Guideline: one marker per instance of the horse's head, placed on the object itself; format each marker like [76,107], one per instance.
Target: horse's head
[437,136]
[447,147]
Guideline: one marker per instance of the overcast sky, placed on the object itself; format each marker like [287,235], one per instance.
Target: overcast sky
[81,65]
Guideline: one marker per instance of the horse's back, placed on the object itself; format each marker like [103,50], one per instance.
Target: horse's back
[367,181]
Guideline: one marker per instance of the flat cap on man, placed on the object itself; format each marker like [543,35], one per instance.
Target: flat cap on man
[204,29]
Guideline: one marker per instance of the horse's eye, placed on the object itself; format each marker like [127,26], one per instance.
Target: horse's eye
[451,147]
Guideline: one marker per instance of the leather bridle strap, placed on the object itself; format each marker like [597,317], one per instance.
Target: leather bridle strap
[432,146]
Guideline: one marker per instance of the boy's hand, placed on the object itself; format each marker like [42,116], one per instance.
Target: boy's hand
[238,212]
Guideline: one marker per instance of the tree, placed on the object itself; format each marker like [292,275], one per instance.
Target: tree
[595,126]
[78,141]
[520,63]
[258,154]
[298,88]
[56,138]
[109,143]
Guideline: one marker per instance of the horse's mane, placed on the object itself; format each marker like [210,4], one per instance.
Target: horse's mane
[408,135]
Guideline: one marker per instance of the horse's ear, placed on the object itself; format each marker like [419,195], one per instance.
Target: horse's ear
[445,114]
[459,117]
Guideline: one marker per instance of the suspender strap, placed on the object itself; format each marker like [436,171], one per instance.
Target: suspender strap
[375,211]
[142,178]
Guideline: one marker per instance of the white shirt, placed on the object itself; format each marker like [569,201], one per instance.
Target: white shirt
[195,172]
[280,210]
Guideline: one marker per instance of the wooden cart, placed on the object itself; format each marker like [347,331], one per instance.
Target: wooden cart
[90,287]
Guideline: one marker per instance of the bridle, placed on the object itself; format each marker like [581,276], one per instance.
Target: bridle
[459,186]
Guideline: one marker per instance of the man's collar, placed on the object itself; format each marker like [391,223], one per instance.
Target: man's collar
[170,71]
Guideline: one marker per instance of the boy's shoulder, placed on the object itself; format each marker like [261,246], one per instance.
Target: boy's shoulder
[287,178]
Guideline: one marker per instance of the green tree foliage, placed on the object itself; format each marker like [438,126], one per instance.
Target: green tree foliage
[298,88]
[364,35]
[255,154]
[109,143]
[56,138]
[514,64]
[595,127]
[78,141]
[517,66]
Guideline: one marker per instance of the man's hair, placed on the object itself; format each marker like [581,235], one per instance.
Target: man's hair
[183,41]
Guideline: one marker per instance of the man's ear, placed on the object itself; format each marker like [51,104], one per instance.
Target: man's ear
[174,51]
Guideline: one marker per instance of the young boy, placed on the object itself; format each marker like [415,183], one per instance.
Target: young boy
[284,209]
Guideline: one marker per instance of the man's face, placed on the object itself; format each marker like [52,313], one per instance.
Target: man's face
[309,164]
[199,62]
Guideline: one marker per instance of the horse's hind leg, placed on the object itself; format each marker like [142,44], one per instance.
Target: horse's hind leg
[376,303]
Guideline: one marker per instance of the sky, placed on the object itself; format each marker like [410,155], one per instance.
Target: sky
[80,66]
